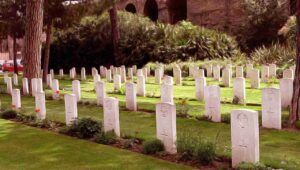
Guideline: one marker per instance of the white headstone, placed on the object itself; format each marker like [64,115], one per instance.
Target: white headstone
[40,105]
[108,76]
[141,86]
[239,71]
[158,76]
[271,108]
[168,80]
[49,80]
[249,70]
[216,72]
[130,73]
[16,99]
[100,92]
[25,86]
[239,90]
[96,78]
[117,82]
[213,103]
[76,89]
[265,74]
[200,84]
[209,70]
[166,125]
[111,115]
[255,80]
[244,137]
[15,78]
[177,76]
[166,93]
[272,70]
[83,74]
[39,86]
[288,73]
[123,74]
[61,73]
[9,85]
[226,77]
[55,89]
[34,85]
[71,109]
[52,73]
[286,89]
[131,97]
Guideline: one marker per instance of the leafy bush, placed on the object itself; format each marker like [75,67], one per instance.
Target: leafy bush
[297,124]
[195,147]
[9,114]
[288,31]
[84,128]
[106,138]
[183,108]
[264,19]
[141,41]
[250,166]
[153,146]
[283,56]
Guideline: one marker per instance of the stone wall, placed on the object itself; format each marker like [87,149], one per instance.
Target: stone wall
[223,15]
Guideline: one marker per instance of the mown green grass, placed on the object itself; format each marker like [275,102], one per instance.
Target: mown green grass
[279,149]
[23,147]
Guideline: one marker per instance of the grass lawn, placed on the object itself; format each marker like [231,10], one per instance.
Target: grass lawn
[23,147]
[279,149]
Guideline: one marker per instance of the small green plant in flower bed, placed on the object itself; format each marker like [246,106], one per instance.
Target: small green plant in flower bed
[153,146]
[9,114]
[106,138]
[83,128]
[196,148]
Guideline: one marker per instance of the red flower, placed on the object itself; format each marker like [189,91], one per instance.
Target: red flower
[57,91]
[37,110]
[13,106]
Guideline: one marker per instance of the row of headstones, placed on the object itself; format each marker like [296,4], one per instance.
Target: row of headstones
[244,124]
[272,99]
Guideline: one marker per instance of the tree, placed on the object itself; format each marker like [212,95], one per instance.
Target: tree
[12,14]
[115,33]
[54,10]
[33,41]
[295,106]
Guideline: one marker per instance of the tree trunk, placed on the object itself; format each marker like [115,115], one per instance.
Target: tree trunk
[15,54]
[115,34]
[47,50]
[33,34]
[295,106]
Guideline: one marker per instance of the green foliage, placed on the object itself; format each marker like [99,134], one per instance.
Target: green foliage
[280,55]
[84,128]
[225,118]
[264,19]
[196,147]
[9,114]
[288,31]
[183,108]
[297,124]
[250,166]
[153,146]
[106,138]
[141,41]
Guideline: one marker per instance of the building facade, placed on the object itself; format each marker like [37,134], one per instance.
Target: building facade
[223,15]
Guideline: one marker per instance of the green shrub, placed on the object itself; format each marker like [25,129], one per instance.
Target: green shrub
[128,143]
[297,124]
[84,128]
[153,146]
[195,147]
[9,114]
[225,118]
[264,19]
[106,138]
[282,56]
[141,41]
[251,166]
[183,108]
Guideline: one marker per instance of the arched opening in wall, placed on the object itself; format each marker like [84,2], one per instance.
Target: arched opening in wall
[130,8]
[151,10]
[293,7]
[177,10]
